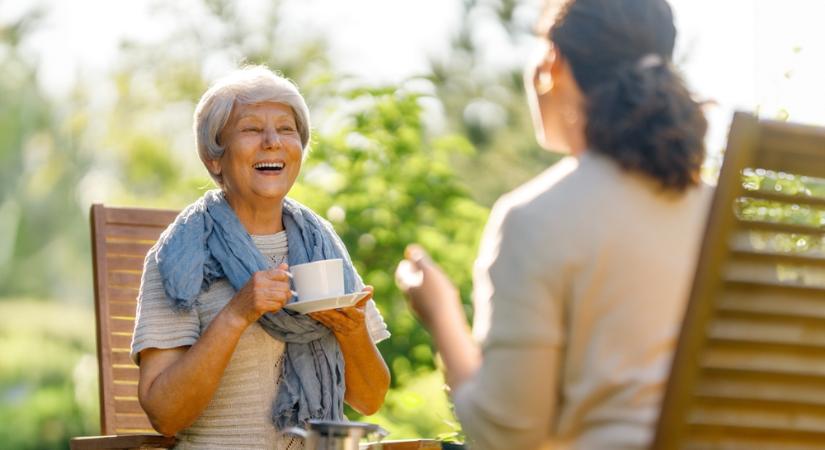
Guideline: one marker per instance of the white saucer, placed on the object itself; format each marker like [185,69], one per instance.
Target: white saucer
[323,304]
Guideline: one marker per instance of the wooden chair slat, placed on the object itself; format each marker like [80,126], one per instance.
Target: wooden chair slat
[705,442]
[127,294]
[122,308]
[773,375]
[768,310]
[742,405]
[718,435]
[765,328]
[749,415]
[127,404]
[122,325]
[121,279]
[775,258]
[159,218]
[121,357]
[125,262]
[133,233]
[778,227]
[128,248]
[768,356]
[790,287]
[747,291]
[759,389]
[133,420]
[121,340]
[121,389]
[125,373]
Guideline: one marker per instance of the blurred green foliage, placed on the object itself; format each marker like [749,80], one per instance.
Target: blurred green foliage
[753,208]
[41,163]
[48,374]
[384,183]
[483,97]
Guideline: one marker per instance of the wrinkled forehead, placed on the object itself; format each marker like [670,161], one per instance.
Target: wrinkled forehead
[242,110]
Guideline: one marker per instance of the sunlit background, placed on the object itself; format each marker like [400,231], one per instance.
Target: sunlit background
[96,99]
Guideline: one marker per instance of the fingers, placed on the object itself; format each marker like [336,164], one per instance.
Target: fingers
[408,275]
[280,292]
[269,300]
[334,320]
[363,302]
[259,296]
[280,273]
[271,288]
[416,254]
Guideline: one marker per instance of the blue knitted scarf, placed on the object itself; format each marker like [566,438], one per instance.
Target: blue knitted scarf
[207,242]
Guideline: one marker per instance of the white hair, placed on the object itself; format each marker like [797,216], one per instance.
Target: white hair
[247,85]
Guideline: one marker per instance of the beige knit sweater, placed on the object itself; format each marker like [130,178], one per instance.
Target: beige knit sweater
[580,286]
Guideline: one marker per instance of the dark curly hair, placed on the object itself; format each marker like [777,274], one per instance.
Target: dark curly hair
[639,110]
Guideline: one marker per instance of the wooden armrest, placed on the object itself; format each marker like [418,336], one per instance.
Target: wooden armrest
[407,444]
[122,442]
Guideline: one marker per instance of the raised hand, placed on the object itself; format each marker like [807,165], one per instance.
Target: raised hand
[429,291]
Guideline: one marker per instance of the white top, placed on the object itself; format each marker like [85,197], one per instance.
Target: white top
[238,416]
[580,287]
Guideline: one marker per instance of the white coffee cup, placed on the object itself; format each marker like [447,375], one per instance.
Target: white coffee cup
[319,279]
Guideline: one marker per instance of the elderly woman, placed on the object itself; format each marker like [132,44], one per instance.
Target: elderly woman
[221,364]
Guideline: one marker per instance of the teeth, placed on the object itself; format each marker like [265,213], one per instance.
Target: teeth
[269,165]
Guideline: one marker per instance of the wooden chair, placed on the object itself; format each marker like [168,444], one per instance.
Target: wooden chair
[749,370]
[121,237]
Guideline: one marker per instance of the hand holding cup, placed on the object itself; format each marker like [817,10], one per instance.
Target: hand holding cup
[265,291]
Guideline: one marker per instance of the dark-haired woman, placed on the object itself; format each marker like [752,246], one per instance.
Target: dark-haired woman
[583,272]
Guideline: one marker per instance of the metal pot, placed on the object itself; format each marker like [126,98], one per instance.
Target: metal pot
[330,435]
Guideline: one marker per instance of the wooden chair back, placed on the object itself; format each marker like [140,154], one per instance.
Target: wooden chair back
[121,237]
[749,370]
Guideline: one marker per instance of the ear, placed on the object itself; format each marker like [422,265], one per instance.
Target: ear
[214,166]
[557,64]
[551,69]
[562,73]
[542,76]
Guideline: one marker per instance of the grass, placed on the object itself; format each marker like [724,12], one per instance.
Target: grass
[48,374]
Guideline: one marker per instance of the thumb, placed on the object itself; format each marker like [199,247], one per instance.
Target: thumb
[367,297]
[417,255]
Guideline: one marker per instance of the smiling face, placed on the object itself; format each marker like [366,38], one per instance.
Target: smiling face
[262,157]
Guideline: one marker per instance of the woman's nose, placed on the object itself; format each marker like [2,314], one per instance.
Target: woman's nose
[271,138]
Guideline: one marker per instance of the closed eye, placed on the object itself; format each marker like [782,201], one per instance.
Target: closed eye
[251,130]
